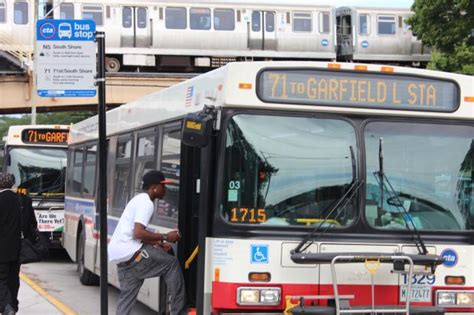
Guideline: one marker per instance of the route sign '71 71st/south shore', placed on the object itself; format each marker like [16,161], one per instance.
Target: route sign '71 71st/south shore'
[65,58]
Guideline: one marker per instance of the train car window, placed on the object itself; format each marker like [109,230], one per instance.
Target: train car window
[386,24]
[364,24]
[324,23]
[93,12]
[238,16]
[176,18]
[400,22]
[302,22]
[2,12]
[66,11]
[160,13]
[141,17]
[107,11]
[344,25]
[77,171]
[288,17]
[200,19]
[89,170]
[20,13]
[224,20]
[144,159]
[269,22]
[256,23]
[126,17]
[48,11]
[167,211]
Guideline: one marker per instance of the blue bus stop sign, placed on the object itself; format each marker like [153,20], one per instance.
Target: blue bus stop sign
[65,58]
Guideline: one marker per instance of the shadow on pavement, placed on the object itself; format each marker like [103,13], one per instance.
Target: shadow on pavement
[58,255]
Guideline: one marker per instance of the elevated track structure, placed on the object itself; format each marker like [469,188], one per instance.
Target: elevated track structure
[18,91]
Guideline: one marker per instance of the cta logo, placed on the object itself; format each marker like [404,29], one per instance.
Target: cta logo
[47,30]
[324,42]
[450,257]
[364,44]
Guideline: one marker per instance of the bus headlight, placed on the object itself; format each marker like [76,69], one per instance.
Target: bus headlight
[248,296]
[270,296]
[446,298]
[258,296]
[465,298]
[455,298]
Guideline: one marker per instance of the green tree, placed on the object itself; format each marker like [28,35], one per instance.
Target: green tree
[448,27]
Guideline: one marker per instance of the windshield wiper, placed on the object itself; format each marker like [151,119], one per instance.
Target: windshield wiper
[384,183]
[340,204]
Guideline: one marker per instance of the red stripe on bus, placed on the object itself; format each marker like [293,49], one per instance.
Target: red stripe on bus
[224,295]
[88,221]
[96,236]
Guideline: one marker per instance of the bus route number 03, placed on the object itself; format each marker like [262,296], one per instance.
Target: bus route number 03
[248,215]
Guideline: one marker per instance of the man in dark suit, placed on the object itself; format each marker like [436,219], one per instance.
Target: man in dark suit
[10,227]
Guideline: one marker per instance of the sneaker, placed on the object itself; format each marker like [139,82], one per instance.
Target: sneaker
[9,310]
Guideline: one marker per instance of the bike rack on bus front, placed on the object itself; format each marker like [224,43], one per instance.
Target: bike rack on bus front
[371,261]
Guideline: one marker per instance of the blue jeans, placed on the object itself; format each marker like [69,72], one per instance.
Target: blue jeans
[155,262]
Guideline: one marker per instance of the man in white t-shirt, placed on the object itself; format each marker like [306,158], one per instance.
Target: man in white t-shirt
[142,254]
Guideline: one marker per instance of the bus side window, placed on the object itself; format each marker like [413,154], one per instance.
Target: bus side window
[145,161]
[90,170]
[69,168]
[167,212]
[121,175]
[77,171]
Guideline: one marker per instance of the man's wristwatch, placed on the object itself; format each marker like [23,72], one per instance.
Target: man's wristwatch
[164,237]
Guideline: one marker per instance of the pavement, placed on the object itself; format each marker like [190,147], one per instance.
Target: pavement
[35,300]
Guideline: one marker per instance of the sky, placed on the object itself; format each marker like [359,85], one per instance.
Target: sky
[369,3]
[355,3]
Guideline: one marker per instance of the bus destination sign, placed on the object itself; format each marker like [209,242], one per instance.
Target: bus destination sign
[361,89]
[45,136]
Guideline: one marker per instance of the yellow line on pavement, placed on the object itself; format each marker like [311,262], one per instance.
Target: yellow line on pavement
[51,299]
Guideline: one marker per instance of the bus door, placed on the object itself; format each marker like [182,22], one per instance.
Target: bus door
[262,35]
[188,221]
[136,27]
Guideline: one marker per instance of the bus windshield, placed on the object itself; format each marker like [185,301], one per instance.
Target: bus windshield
[429,166]
[40,171]
[287,170]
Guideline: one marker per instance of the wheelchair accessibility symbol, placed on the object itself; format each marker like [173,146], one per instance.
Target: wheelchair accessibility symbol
[258,254]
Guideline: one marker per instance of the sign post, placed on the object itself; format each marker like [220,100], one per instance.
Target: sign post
[66,66]
[65,58]
[101,109]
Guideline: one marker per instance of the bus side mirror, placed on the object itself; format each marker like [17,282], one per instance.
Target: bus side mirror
[197,129]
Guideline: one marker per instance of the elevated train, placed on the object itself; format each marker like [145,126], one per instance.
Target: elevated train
[188,35]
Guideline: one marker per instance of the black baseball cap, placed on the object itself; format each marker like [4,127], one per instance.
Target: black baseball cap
[154,177]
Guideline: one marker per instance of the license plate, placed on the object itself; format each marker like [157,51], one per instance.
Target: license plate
[419,293]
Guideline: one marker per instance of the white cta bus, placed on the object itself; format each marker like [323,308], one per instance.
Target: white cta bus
[36,156]
[315,188]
